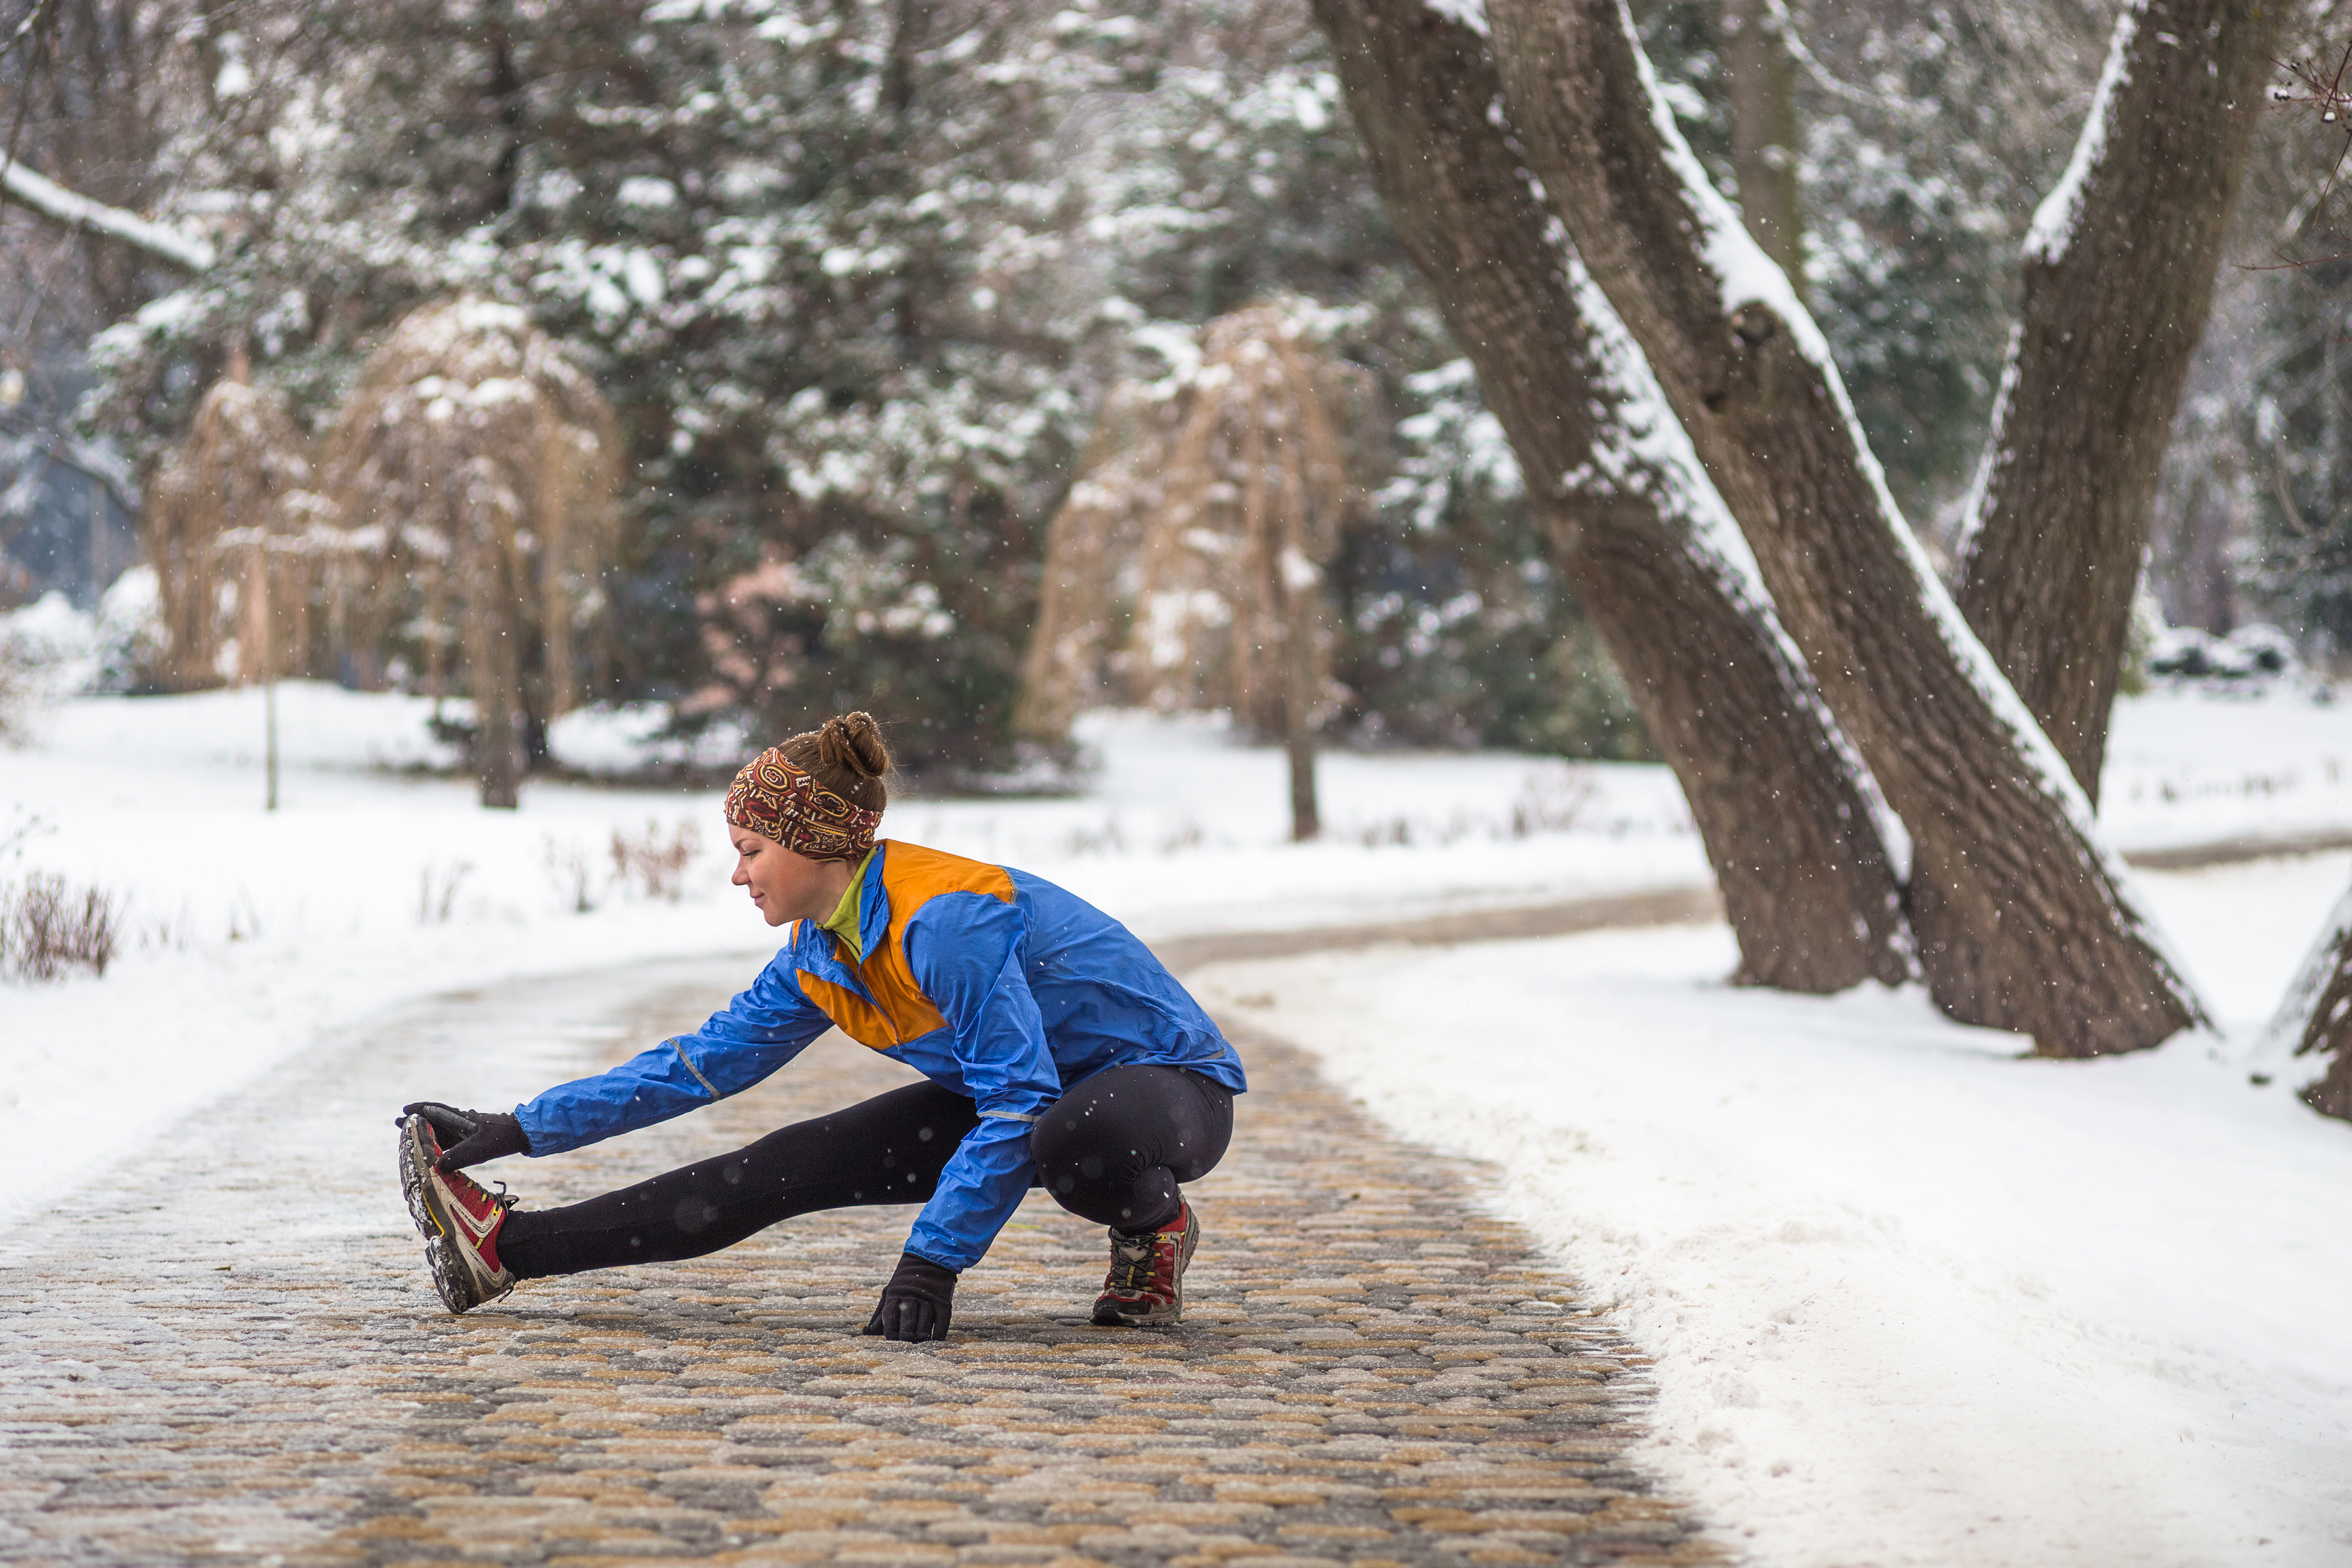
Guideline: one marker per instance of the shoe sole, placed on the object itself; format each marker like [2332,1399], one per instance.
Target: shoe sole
[1107,1312]
[461,1286]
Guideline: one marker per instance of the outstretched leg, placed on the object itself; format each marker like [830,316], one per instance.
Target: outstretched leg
[888,1149]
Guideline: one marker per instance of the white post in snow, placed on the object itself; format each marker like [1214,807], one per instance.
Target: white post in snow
[269,708]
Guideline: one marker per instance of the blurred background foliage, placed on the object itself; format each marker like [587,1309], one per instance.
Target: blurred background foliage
[857,274]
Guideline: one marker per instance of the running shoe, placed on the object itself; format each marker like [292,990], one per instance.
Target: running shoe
[458,1219]
[1145,1285]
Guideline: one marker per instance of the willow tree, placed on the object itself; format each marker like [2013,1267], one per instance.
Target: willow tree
[226,524]
[1230,604]
[479,465]
[1091,546]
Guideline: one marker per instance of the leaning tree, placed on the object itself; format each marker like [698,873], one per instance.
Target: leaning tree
[1791,820]
[476,465]
[2024,920]
[2119,266]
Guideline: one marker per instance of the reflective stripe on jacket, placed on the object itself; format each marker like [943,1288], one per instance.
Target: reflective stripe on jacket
[993,983]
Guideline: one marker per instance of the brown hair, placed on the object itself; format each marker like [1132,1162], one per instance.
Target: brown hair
[846,754]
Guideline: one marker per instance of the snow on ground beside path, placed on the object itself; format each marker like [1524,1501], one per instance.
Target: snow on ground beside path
[1913,1299]
[250,935]
[2195,766]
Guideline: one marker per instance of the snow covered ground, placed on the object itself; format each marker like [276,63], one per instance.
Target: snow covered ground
[2193,765]
[1913,1300]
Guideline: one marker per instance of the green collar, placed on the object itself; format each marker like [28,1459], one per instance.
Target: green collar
[843,922]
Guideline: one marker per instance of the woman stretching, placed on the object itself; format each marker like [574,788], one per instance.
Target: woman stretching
[1058,1053]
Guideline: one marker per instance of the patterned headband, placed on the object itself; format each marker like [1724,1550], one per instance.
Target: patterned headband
[777,801]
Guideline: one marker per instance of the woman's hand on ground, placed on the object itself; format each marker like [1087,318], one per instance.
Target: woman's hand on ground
[917,1302]
[470,1137]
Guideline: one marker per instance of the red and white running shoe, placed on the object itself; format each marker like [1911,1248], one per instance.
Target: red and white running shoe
[458,1219]
[1145,1285]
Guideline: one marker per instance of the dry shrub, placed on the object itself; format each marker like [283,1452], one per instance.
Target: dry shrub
[1551,803]
[477,465]
[237,543]
[652,865]
[569,868]
[50,928]
[436,891]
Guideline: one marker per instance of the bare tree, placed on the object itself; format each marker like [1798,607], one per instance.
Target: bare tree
[2119,269]
[2024,920]
[1788,816]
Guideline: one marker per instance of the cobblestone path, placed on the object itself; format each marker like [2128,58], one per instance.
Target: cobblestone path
[230,1353]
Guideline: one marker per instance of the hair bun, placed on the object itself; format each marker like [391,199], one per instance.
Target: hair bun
[854,741]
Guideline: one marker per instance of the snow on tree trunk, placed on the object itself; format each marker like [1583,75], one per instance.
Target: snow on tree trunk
[2024,920]
[1788,816]
[2119,274]
[2313,1026]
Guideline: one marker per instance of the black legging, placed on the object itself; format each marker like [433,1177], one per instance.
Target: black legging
[1112,1150]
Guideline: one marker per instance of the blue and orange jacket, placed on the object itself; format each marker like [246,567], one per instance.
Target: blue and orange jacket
[989,981]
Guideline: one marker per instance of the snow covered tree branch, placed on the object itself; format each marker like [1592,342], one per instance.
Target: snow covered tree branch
[2119,270]
[52,201]
[2025,920]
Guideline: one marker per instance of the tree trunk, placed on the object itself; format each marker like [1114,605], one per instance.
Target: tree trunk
[2119,274]
[2024,920]
[2314,1021]
[1782,806]
[1759,79]
[1300,688]
[494,672]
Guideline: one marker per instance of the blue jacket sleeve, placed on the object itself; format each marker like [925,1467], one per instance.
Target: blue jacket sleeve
[965,951]
[751,1037]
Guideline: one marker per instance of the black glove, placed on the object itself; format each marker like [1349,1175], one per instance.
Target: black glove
[917,1302]
[469,1137]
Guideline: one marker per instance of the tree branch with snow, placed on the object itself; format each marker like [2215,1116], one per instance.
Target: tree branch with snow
[2119,267]
[38,194]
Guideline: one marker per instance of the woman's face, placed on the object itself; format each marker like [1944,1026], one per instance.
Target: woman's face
[785,886]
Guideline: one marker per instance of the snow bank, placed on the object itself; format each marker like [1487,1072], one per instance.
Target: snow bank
[1913,1300]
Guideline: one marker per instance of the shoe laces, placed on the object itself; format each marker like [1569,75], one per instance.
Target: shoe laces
[1133,1260]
